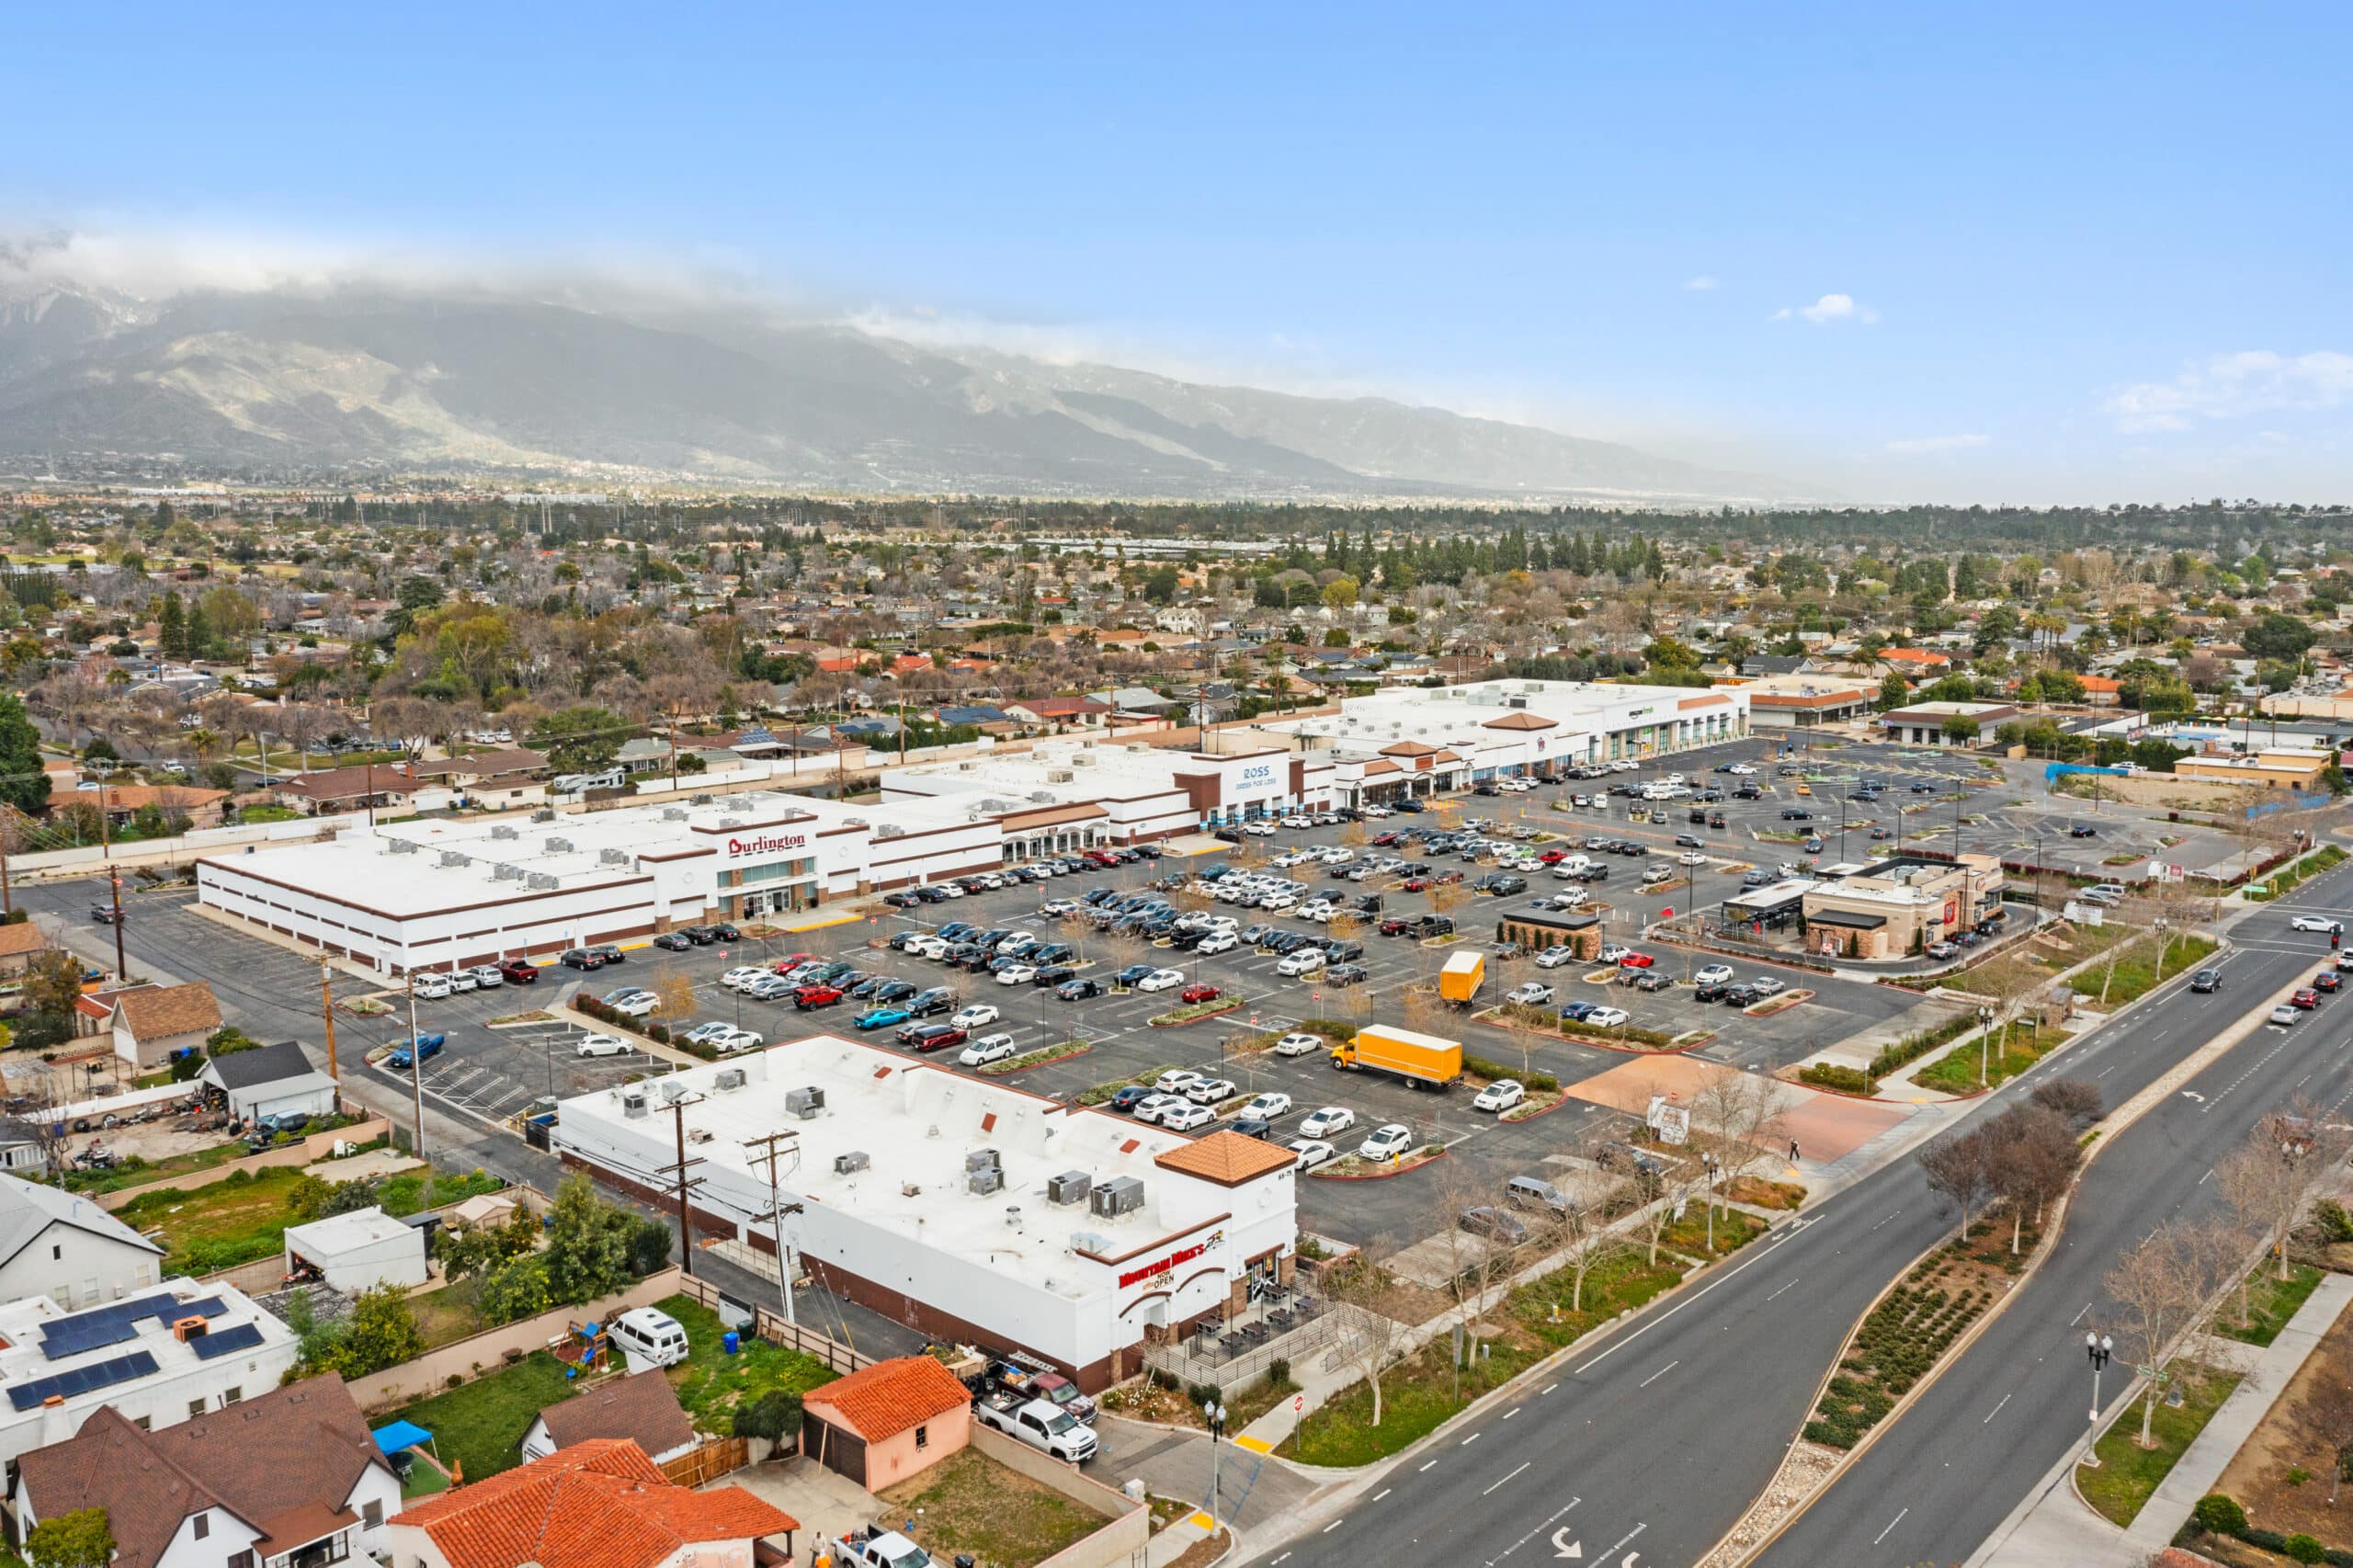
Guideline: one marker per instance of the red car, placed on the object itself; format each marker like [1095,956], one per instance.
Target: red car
[1199,994]
[1554,857]
[2307,997]
[1394,925]
[523,971]
[790,961]
[1448,877]
[1636,960]
[810,996]
[1101,857]
[2326,981]
[1416,884]
[1384,840]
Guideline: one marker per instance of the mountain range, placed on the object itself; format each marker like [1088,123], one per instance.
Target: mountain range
[270,385]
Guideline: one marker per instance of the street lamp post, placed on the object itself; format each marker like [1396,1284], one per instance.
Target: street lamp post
[1984,1045]
[2098,1347]
[1214,1413]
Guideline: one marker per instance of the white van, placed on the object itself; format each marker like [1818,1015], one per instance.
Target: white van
[650,1337]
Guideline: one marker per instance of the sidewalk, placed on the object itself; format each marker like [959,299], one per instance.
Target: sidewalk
[2055,1528]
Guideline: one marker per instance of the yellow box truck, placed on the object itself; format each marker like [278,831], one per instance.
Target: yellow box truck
[1459,980]
[1423,1060]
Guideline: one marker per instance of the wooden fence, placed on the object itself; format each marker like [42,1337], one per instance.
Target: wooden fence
[711,1458]
[772,1328]
[302,1152]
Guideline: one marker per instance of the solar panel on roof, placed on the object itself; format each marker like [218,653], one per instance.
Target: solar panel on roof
[82,1379]
[113,1324]
[243,1337]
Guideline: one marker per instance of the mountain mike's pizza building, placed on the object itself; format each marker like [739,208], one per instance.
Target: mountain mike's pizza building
[969,1210]
[433,894]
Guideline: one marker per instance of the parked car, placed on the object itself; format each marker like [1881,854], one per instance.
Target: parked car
[519,971]
[880,1017]
[988,1048]
[1500,1096]
[1495,1224]
[1268,1105]
[580,959]
[931,1036]
[672,941]
[1386,1143]
[1324,1122]
[1712,974]
[423,1048]
[1078,990]
[1300,1044]
[601,1045]
[1313,1152]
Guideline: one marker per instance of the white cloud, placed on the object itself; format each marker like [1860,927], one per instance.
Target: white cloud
[2234,386]
[1937,443]
[1829,307]
[1704,284]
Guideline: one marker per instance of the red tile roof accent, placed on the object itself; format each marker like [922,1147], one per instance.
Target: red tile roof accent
[595,1505]
[880,1402]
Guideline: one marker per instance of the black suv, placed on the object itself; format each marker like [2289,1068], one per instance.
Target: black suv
[922,1003]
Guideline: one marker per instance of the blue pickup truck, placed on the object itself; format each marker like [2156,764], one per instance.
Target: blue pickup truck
[426,1047]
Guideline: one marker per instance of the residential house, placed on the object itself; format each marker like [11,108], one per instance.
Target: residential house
[984,717]
[53,1244]
[468,773]
[123,802]
[289,1476]
[886,1422]
[23,1150]
[1061,712]
[153,1022]
[272,1080]
[386,786]
[1133,699]
[20,944]
[642,1408]
[601,1503]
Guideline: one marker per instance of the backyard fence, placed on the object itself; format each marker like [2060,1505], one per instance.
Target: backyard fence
[772,1328]
[710,1459]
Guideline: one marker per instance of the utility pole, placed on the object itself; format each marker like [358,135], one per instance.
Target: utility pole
[121,968]
[685,1182]
[326,1011]
[7,840]
[777,1210]
[416,1063]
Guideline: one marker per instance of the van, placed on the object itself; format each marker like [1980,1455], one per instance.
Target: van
[651,1337]
[1528,1192]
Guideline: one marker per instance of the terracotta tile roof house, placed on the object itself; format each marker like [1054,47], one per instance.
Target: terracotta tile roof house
[1915,658]
[595,1504]
[1227,1158]
[642,1408]
[880,1402]
[288,1469]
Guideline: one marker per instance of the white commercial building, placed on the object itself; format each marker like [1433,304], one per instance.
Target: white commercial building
[972,1210]
[435,893]
[159,1356]
[1419,741]
[1061,795]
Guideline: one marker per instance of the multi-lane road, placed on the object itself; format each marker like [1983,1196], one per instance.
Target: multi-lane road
[1643,1450]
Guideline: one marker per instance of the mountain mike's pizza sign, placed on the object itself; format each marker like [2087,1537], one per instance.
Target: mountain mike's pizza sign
[1182,1255]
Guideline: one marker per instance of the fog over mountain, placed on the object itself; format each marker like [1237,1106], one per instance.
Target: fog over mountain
[278,382]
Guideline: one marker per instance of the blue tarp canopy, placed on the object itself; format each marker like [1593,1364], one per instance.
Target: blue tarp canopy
[401,1434]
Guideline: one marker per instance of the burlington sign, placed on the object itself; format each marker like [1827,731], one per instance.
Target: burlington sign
[766,844]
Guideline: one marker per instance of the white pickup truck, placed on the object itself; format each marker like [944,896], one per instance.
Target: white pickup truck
[1040,1425]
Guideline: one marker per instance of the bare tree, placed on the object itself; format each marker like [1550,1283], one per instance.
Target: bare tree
[2077,1100]
[2326,1420]
[1960,1173]
[1583,1234]
[2273,1179]
[1370,1341]
[2159,1287]
[1743,1113]
[2032,1159]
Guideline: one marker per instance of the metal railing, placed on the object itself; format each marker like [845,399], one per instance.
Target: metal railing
[1197,1359]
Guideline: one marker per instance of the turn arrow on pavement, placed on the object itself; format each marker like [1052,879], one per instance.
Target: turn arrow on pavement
[1569,1548]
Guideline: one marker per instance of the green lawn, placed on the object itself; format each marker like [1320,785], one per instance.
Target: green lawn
[2129,1473]
[2136,971]
[481,1425]
[710,1382]
[1956,1071]
[2287,876]
[2271,1301]
[244,1216]
[136,1171]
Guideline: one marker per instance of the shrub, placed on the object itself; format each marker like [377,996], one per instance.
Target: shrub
[1542,1082]
[1828,1075]
[775,1415]
[1278,1373]
[2305,1549]
[658,1033]
[2219,1514]
[1202,1393]
[2335,1220]
[1163,1380]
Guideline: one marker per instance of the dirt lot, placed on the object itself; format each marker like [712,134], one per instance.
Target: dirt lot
[970,1503]
[2280,1474]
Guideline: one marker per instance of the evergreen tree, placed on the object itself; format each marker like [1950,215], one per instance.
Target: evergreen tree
[173,624]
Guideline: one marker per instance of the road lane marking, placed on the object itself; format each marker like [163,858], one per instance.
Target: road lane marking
[1425,1467]
[1548,1388]
[1995,1411]
[1471,1439]
[1889,1216]
[1523,1465]
[1512,1411]
[2079,1316]
[1336,1524]
[1890,1525]
[1790,1286]
[1382,1493]
[1660,1373]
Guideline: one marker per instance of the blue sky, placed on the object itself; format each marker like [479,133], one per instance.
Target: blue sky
[1986,253]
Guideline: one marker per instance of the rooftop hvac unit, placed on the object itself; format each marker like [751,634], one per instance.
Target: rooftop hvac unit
[558,846]
[856,822]
[633,1102]
[539,881]
[612,857]
[455,858]
[703,799]
[505,873]
[504,830]
[983,1160]
[890,830]
[1082,761]
[851,1163]
[545,814]
[1068,1187]
[1046,797]
[673,814]
[732,1078]
[804,1103]
[982,1183]
[964,767]
[1054,775]
[1120,1195]
[1515,702]
[401,845]
[730,824]
[672,1091]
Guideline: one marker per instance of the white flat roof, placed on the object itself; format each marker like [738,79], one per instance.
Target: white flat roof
[913,1124]
[339,1234]
[40,1340]
[1033,779]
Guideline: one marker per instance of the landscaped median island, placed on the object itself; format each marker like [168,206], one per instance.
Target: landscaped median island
[2288,877]
[2014,1048]
[1040,1057]
[1192,1012]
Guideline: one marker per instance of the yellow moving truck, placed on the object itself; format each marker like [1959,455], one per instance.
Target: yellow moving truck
[1423,1060]
[1460,978]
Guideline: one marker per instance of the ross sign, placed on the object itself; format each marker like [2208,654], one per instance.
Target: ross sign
[766,844]
[1182,1255]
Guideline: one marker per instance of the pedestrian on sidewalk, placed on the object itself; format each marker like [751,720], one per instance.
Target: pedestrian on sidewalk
[1793,1151]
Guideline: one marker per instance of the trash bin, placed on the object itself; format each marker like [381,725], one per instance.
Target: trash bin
[731,1342]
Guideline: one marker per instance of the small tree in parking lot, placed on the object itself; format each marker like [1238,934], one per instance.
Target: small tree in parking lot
[1122,950]
[674,998]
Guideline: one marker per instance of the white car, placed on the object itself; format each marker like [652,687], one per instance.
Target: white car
[974,1017]
[1318,909]
[929,947]
[1377,811]
[635,1005]
[1339,856]
[487,975]
[1299,822]
[1299,1045]
[736,979]
[1307,961]
[1311,1152]
[988,1048]
[601,1045]
[1161,980]
[461,980]
[1765,985]
[1330,1119]
[701,1032]
[736,1039]
[1057,908]
[1386,1143]
[2316,923]
[1742,770]
[1017,974]
[1693,858]
[1176,1080]
[1500,1096]
[1216,942]
[1260,829]
[1713,974]
[432,987]
[1267,1107]
[1606,1017]
[2285,1016]
[953,890]
[1151,1107]
[1532,993]
[1183,1117]
[1554,957]
[1275,903]
[1208,1091]
[1612,951]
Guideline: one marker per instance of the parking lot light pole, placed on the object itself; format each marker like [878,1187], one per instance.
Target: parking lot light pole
[1214,1413]
[1984,1045]
[2098,1347]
